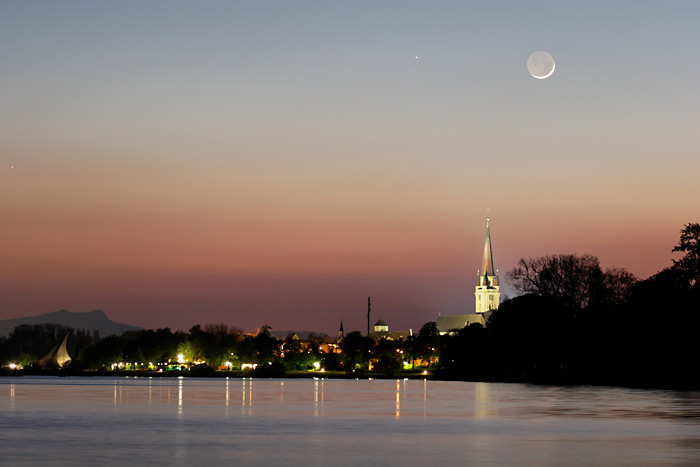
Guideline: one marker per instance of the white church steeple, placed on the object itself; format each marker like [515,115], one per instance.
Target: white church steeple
[487,291]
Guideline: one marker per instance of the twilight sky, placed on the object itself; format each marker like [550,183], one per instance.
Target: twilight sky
[251,163]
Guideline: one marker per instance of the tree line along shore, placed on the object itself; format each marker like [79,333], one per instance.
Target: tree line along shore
[572,323]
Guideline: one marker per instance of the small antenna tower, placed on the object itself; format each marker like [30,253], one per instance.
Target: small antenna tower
[369,310]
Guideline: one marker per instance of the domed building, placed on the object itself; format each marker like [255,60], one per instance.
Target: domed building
[381,331]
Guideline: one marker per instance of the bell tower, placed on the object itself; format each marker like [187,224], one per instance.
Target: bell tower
[487,290]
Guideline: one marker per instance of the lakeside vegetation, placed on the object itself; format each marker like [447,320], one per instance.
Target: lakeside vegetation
[572,324]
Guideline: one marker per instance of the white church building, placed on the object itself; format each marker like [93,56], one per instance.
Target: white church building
[487,294]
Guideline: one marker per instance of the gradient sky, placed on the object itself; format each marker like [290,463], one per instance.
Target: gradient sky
[251,163]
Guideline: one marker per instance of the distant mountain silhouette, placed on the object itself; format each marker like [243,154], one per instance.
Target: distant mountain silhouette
[96,319]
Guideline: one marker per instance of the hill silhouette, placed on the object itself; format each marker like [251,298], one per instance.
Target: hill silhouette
[92,320]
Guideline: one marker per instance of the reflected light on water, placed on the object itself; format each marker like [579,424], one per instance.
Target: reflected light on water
[318,396]
[247,396]
[425,398]
[398,399]
[465,423]
[482,403]
[115,392]
[227,398]
[243,394]
[179,396]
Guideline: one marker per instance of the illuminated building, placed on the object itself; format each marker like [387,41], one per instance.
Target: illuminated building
[487,294]
[487,291]
[381,331]
[57,357]
[341,332]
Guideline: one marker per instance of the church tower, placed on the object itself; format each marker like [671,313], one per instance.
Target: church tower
[487,290]
[341,332]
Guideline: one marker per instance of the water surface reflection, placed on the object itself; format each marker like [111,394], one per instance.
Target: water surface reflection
[85,421]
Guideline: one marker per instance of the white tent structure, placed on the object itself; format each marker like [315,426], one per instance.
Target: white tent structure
[57,357]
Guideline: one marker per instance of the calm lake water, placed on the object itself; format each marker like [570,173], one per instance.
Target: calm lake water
[92,421]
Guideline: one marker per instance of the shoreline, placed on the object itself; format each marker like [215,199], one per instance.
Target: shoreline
[218,374]
[414,375]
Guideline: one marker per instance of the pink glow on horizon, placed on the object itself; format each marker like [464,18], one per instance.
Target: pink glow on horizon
[252,165]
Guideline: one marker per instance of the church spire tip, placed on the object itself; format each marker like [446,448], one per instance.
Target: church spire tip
[487,265]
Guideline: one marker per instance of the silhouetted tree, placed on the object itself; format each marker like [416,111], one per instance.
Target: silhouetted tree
[330,361]
[618,284]
[265,346]
[296,355]
[103,354]
[357,350]
[571,280]
[574,281]
[30,342]
[426,344]
[688,267]
[388,356]
[468,355]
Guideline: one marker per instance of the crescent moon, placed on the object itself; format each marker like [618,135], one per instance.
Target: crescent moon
[540,65]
